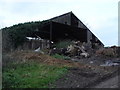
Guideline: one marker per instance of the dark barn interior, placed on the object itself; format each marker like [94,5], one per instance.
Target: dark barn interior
[57,31]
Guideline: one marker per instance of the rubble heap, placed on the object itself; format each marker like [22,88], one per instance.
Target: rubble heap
[76,48]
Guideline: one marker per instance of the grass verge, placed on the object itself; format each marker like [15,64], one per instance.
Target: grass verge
[31,75]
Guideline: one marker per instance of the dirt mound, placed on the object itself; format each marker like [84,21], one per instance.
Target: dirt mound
[42,58]
[112,51]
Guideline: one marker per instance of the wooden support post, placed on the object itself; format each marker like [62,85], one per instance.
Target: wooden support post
[50,34]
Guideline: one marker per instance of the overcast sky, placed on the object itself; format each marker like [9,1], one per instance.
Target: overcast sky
[100,16]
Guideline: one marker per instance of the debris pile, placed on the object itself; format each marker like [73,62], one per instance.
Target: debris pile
[76,48]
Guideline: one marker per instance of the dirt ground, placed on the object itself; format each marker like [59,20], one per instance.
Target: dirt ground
[79,78]
[110,83]
[83,73]
[83,78]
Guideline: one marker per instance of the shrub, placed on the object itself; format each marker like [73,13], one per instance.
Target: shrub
[63,44]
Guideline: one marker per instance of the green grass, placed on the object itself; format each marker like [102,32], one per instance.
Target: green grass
[31,75]
[58,56]
[61,57]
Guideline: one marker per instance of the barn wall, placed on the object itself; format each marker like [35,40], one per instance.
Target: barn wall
[89,36]
[96,40]
[34,44]
[64,19]
[93,38]
[81,25]
[76,22]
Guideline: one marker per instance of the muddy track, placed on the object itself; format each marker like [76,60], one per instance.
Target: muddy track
[82,78]
[110,83]
[102,79]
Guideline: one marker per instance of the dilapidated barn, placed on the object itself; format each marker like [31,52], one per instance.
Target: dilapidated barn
[66,26]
